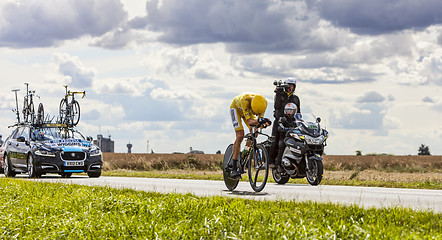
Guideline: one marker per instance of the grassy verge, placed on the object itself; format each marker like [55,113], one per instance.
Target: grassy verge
[349,178]
[32,210]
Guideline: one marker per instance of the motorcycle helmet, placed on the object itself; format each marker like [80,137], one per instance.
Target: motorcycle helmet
[259,104]
[290,109]
[289,81]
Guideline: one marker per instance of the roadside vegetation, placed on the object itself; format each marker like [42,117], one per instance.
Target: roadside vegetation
[37,210]
[423,172]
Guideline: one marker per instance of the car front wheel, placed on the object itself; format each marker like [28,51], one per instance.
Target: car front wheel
[32,170]
[94,174]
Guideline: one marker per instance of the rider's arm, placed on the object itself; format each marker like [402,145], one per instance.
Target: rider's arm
[284,124]
[278,104]
[252,122]
[298,103]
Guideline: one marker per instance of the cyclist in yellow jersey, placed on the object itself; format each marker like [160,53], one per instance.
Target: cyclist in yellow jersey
[245,107]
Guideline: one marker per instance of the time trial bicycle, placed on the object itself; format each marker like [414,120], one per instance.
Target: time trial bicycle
[255,160]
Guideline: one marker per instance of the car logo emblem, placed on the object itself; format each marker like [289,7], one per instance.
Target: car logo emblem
[72,154]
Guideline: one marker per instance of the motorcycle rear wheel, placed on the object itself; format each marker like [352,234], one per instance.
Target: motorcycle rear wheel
[315,173]
[279,178]
[231,183]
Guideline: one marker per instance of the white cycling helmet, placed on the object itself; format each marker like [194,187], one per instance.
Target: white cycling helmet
[290,109]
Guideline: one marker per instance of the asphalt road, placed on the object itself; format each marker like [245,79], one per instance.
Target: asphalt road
[417,199]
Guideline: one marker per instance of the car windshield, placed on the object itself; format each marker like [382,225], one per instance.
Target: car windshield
[47,134]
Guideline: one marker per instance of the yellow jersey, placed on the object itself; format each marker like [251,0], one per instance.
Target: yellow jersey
[243,103]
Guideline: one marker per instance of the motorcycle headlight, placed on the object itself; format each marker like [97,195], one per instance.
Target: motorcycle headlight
[44,153]
[313,140]
[296,136]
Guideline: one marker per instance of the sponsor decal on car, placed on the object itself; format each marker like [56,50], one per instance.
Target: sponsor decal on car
[69,142]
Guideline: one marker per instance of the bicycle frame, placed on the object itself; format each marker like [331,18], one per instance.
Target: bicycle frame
[252,137]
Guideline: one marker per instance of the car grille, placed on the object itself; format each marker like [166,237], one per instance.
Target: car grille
[73,155]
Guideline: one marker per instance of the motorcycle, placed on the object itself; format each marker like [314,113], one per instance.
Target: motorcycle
[304,146]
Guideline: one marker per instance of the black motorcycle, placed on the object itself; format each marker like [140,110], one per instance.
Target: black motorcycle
[302,155]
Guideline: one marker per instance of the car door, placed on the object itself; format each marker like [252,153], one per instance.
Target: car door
[12,146]
[23,148]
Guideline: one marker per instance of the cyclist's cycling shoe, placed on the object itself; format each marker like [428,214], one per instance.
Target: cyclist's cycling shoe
[235,173]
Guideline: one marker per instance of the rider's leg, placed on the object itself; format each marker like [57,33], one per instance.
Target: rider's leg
[235,154]
[281,147]
[274,146]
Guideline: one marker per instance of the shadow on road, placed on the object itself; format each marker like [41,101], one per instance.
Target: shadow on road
[246,193]
[49,176]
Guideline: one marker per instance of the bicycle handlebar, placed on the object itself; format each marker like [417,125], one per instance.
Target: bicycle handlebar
[72,93]
[252,135]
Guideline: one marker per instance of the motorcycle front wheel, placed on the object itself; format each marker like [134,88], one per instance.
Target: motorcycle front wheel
[258,168]
[231,183]
[315,173]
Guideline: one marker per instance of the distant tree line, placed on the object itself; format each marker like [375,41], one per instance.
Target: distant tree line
[423,150]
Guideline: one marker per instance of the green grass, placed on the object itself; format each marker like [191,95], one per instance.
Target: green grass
[427,184]
[37,210]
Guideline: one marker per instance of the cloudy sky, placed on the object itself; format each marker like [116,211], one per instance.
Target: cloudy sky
[166,71]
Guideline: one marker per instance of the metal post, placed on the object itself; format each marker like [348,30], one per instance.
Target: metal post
[16,104]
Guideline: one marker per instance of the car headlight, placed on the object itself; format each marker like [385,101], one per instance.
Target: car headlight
[44,153]
[95,152]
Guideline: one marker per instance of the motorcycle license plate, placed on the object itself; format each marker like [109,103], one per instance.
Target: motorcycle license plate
[74,163]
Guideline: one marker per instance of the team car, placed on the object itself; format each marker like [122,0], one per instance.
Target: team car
[50,148]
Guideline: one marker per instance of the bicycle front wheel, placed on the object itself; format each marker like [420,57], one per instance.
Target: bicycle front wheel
[258,168]
[75,113]
[31,112]
[40,114]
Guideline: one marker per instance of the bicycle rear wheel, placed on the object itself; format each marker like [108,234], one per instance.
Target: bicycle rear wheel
[63,111]
[231,183]
[258,168]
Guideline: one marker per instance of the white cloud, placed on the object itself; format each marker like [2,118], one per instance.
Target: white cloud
[76,74]
[184,94]
[372,96]
[46,23]
[380,17]
[127,86]
[166,71]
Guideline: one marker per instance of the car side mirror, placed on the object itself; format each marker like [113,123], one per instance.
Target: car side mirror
[318,119]
[21,139]
[89,138]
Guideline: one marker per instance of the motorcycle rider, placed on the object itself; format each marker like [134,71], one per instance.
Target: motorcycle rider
[284,124]
[245,106]
[283,94]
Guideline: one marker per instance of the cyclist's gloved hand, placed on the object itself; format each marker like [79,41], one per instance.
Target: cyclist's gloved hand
[263,121]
